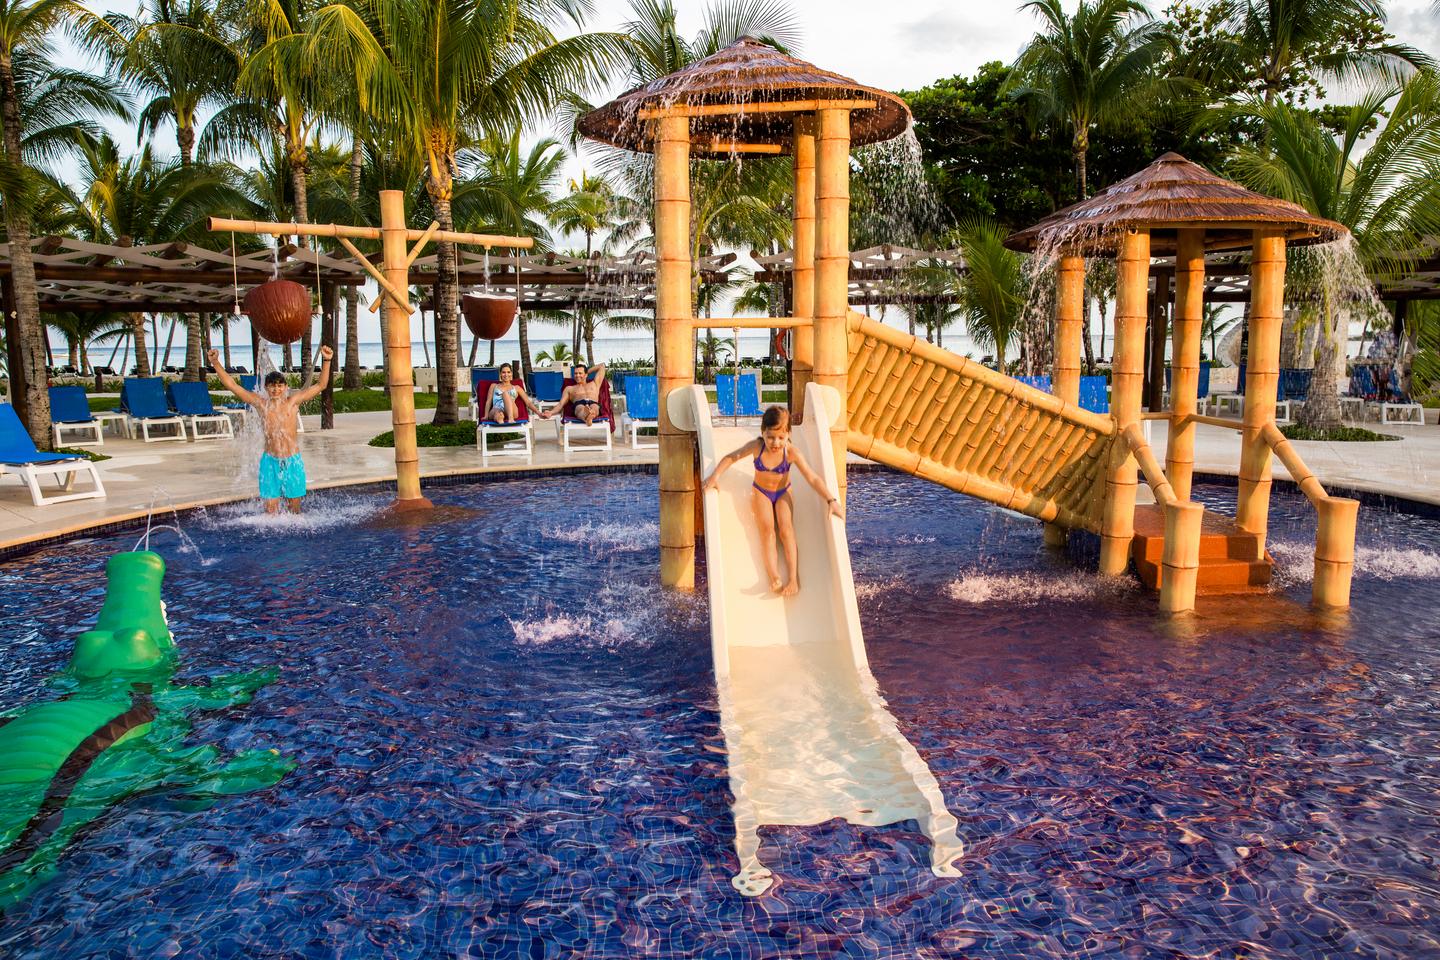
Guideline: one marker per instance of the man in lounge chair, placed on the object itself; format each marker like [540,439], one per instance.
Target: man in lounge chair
[282,472]
[584,394]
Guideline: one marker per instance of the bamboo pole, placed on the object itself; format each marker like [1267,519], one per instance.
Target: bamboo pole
[1069,327]
[1185,351]
[802,274]
[1069,324]
[224,224]
[1132,285]
[675,361]
[832,269]
[1262,378]
[1180,562]
[1334,551]
[397,352]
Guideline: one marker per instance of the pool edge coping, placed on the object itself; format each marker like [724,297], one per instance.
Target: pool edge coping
[1417,504]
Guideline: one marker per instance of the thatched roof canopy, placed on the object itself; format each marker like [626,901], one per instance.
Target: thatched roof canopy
[1170,194]
[746,72]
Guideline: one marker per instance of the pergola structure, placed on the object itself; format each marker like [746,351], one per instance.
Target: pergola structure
[1178,209]
[79,276]
[881,275]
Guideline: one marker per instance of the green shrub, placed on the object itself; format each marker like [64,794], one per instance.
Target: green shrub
[1295,431]
[90,455]
[460,434]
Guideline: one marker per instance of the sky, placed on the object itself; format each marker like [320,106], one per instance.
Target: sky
[913,44]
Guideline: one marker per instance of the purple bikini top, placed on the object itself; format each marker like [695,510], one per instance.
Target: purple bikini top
[782,467]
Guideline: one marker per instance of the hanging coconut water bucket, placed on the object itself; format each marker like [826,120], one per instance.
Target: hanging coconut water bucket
[279,310]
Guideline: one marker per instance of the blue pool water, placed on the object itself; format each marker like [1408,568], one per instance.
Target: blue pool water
[509,746]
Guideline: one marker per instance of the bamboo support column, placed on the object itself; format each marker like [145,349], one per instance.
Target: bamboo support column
[1334,551]
[1069,328]
[1127,376]
[1262,378]
[1185,353]
[401,377]
[675,360]
[832,268]
[1180,562]
[802,273]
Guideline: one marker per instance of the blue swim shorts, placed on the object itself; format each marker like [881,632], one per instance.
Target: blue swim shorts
[281,478]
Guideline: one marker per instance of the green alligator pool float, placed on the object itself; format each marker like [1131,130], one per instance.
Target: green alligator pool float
[118,727]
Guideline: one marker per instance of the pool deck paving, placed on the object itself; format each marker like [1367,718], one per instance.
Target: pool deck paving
[163,476]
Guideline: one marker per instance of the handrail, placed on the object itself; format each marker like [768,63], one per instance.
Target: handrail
[1335,533]
[965,367]
[1154,474]
[1285,453]
[1215,421]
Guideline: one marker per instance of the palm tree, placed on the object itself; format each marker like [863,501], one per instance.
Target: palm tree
[141,200]
[510,194]
[444,74]
[176,54]
[992,295]
[25,28]
[588,208]
[1094,69]
[1270,45]
[559,353]
[1388,196]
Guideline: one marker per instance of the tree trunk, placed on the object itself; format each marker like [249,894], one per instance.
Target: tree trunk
[447,313]
[1085,333]
[185,139]
[1081,173]
[193,347]
[1321,410]
[474,349]
[28,328]
[72,353]
[84,358]
[287,357]
[170,341]
[225,341]
[352,293]
[523,323]
[307,351]
[142,358]
[590,340]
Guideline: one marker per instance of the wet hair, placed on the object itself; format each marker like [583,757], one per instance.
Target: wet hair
[274,376]
[776,416]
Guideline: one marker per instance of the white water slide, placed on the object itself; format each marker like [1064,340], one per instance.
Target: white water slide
[808,734]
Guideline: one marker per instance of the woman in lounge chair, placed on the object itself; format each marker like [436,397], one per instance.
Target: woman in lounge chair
[501,400]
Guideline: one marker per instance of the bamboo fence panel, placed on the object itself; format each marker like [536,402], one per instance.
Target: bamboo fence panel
[922,410]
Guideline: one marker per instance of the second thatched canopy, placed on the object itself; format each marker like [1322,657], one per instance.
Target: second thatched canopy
[1169,195]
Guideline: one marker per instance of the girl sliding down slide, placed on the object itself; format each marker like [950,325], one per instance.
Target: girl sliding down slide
[770,497]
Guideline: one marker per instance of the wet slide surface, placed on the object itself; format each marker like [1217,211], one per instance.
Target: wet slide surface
[808,734]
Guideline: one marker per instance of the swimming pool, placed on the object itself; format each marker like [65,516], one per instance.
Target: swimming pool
[509,746]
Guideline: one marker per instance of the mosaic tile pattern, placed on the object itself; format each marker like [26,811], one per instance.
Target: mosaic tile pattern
[509,746]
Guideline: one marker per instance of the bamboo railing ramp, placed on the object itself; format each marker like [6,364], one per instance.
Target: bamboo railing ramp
[929,412]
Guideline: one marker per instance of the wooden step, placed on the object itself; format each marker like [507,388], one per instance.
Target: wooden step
[1227,563]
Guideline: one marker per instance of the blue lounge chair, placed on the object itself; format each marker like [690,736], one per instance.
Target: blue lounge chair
[19,457]
[191,400]
[642,407]
[1202,390]
[547,385]
[1041,383]
[70,410]
[143,398]
[738,396]
[1095,394]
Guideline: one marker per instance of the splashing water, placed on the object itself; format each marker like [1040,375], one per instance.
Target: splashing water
[1295,562]
[1031,589]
